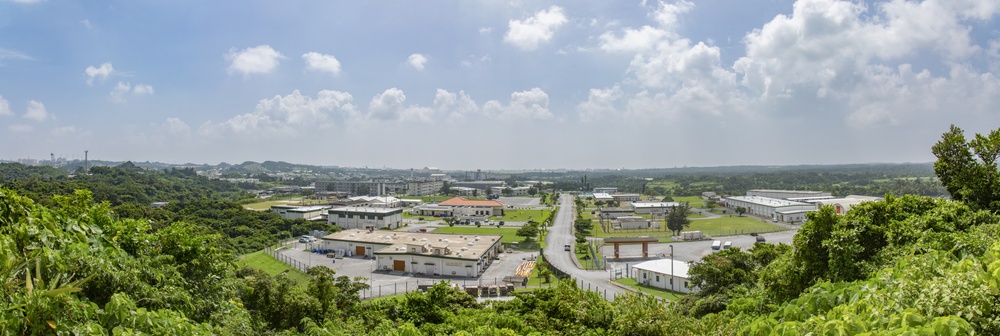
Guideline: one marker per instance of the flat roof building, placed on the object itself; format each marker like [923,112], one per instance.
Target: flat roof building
[786,194]
[465,207]
[419,253]
[664,273]
[651,207]
[776,209]
[354,217]
[288,211]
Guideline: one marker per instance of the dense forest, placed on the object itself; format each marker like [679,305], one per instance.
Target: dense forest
[210,204]
[872,180]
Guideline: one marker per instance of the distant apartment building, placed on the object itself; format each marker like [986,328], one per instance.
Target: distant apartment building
[423,188]
[605,190]
[357,188]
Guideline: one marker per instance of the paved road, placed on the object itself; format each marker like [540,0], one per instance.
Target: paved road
[561,234]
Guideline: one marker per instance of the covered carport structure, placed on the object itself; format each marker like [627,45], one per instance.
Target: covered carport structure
[616,241]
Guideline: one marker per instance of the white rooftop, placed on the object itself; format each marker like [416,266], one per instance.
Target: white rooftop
[654,204]
[766,201]
[602,196]
[366,209]
[662,266]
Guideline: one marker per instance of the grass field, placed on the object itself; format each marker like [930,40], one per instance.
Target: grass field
[725,226]
[693,201]
[261,261]
[660,293]
[524,215]
[508,233]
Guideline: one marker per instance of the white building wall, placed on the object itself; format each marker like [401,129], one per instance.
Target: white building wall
[663,281]
[358,222]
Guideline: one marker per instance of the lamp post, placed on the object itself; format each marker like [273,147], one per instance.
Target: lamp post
[671,268]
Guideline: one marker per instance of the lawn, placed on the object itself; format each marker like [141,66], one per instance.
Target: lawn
[725,226]
[693,201]
[524,215]
[660,293]
[508,233]
[587,264]
[261,261]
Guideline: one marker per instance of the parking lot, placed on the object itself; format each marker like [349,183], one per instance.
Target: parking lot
[394,283]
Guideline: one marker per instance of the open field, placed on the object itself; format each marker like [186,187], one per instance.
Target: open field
[524,215]
[694,201]
[725,226]
[508,233]
[261,261]
[654,291]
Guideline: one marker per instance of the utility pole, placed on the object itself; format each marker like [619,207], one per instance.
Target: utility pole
[86,164]
[672,268]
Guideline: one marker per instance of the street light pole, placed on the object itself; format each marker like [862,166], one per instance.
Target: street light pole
[671,268]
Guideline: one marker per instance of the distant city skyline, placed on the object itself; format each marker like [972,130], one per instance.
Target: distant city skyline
[496,84]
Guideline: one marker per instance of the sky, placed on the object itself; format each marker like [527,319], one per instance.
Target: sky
[496,84]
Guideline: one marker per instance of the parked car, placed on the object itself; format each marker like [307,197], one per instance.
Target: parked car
[566,247]
[727,245]
[760,239]
[716,245]
[303,240]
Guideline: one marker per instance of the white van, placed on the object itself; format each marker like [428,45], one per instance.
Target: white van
[727,245]
[716,245]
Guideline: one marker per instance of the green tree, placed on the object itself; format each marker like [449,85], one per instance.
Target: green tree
[532,191]
[677,219]
[968,169]
[529,231]
[740,211]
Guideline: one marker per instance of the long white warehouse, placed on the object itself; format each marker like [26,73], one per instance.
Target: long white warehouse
[419,253]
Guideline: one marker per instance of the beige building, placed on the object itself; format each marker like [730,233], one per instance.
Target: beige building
[423,188]
[464,207]
[419,253]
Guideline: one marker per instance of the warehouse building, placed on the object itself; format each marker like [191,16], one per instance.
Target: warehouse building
[653,207]
[843,205]
[777,209]
[365,217]
[464,207]
[288,211]
[419,253]
[635,223]
[786,194]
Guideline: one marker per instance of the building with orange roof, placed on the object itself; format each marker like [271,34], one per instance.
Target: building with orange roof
[465,207]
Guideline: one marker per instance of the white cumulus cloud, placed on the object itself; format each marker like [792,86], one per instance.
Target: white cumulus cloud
[527,34]
[37,112]
[601,104]
[288,115]
[417,61]
[5,107]
[261,59]
[524,105]
[321,62]
[101,72]
[390,106]
[20,128]
[123,89]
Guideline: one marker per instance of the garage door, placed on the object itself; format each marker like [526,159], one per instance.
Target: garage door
[399,265]
[359,250]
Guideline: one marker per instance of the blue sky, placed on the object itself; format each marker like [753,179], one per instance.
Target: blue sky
[496,84]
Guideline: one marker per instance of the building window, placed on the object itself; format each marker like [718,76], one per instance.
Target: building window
[685,284]
[657,278]
[643,275]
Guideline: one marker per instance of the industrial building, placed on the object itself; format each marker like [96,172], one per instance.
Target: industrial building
[664,273]
[365,217]
[653,207]
[786,194]
[777,209]
[377,202]
[419,253]
[432,210]
[843,205]
[288,211]
[464,207]
[624,198]
[635,223]
[605,190]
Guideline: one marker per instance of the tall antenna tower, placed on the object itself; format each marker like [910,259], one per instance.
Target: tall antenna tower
[86,163]
[53,155]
